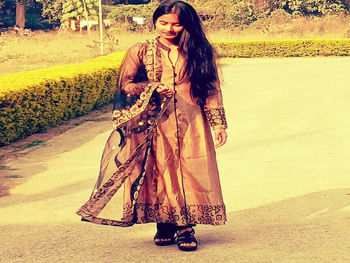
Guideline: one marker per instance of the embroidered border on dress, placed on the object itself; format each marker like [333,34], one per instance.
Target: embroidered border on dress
[196,214]
[216,117]
[152,62]
[123,115]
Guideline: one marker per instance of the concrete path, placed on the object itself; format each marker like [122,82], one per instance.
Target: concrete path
[285,175]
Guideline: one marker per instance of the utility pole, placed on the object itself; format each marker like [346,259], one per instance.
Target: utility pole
[101,25]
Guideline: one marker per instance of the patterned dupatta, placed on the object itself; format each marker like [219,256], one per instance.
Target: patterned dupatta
[127,151]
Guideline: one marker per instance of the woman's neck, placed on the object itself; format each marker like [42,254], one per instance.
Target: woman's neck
[168,43]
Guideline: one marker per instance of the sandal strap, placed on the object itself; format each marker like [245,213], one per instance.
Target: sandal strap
[186,237]
[163,240]
[166,228]
[163,235]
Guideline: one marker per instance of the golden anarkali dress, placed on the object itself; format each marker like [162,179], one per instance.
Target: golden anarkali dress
[159,163]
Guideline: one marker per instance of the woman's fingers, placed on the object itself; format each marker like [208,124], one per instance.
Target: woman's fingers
[218,141]
[220,137]
[162,88]
[165,90]
[169,93]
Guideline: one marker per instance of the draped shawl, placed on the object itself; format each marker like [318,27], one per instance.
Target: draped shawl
[136,122]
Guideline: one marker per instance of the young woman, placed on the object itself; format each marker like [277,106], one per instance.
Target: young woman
[161,152]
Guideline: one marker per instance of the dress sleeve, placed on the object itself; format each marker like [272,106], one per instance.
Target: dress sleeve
[130,69]
[214,109]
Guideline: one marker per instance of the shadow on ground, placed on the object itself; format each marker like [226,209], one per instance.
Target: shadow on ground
[307,228]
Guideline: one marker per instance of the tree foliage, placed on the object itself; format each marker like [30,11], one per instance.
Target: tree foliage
[313,7]
[52,9]
[31,10]
[223,14]
[62,10]
[80,9]
[121,12]
[215,14]
[128,2]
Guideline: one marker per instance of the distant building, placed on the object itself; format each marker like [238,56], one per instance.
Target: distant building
[139,20]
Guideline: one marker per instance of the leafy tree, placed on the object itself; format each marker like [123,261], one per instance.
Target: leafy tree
[52,9]
[214,13]
[127,2]
[21,6]
[80,9]
[23,13]
[120,12]
[312,7]
[63,10]
[7,8]
[225,14]
[262,8]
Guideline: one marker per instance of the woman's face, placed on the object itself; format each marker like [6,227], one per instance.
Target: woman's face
[168,26]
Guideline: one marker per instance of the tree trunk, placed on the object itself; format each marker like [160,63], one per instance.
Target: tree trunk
[20,15]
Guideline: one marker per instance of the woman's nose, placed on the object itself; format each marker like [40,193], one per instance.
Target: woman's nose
[169,27]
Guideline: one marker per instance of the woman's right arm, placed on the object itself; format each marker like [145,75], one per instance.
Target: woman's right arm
[129,69]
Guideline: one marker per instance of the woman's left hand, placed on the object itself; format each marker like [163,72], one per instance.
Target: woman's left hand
[165,90]
[220,137]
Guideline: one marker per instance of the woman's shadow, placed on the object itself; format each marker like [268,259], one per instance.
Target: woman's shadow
[299,213]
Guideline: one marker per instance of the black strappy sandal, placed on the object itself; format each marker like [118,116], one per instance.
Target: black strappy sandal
[186,237]
[165,231]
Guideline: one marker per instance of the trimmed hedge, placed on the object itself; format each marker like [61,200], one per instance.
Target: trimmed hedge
[36,100]
[284,48]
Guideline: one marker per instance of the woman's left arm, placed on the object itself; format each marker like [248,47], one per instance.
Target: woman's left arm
[215,113]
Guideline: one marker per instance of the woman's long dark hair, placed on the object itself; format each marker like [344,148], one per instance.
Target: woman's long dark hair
[200,55]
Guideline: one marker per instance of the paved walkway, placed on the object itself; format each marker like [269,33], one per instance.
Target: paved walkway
[285,175]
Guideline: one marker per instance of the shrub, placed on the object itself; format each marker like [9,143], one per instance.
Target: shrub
[34,101]
[284,48]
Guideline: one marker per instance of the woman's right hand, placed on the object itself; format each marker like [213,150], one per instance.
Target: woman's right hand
[220,137]
[165,90]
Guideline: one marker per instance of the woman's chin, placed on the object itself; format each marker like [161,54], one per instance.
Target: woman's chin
[169,36]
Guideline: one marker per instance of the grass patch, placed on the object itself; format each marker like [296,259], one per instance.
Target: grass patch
[34,143]
[14,176]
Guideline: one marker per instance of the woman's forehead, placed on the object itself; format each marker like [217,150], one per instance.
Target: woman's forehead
[170,18]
